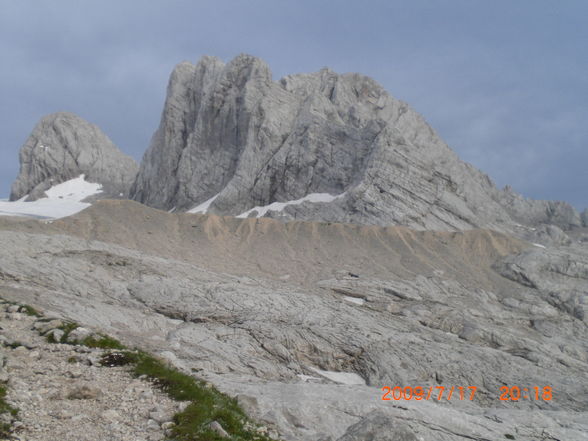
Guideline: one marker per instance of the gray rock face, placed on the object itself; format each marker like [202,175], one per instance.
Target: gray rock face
[230,133]
[63,146]
[533,212]
[543,234]
[584,217]
[561,274]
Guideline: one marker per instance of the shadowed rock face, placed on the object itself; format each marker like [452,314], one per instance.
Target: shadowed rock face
[63,146]
[229,130]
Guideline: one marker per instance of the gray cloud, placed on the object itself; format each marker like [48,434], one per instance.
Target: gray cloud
[504,83]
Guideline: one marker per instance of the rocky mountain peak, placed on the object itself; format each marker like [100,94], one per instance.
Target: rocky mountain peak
[63,146]
[246,67]
[231,141]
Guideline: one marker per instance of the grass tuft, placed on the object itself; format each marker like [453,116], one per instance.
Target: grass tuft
[95,341]
[66,328]
[29,310]
[102,342]
[207,404]
[5,408]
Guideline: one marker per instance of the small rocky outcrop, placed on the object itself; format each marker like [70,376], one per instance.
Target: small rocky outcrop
[535,212]
[379,427]
[64,146]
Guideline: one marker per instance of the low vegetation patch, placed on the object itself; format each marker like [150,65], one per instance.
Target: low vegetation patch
[29,310]
[66,328]
[94,341]
[207,404]
[102,342]
[25,309]
[5,408]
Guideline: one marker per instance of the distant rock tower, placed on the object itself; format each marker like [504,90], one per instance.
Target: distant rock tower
[63,146]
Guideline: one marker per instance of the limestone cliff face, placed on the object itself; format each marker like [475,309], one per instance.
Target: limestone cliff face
[230,133]
[63,146]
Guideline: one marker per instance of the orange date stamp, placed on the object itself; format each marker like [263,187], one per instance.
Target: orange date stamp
[418,393]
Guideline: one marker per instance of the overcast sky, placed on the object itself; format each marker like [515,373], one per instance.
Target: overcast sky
[504,82]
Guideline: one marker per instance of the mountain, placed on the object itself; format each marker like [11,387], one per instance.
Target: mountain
[64,146]
[304,322]
[319,146]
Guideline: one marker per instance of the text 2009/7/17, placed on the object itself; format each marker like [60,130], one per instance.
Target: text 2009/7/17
[439,393]
[431,393]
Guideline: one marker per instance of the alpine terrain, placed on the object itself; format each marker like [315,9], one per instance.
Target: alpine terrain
[302,245]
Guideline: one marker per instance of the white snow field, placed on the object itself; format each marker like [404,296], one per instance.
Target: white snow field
[203,207]
[279,206]
[356,300]
[340,377]
[62,200]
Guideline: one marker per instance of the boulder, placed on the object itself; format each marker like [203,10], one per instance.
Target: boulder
[379,427]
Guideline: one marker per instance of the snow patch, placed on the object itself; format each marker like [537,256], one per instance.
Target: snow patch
[306,378]
[75,190]
[279,206]
[203,207]
[341,377]
[62,200]
[539,245]
[356,300]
